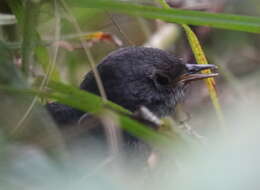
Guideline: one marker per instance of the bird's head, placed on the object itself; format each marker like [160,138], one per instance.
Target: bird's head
[137,76]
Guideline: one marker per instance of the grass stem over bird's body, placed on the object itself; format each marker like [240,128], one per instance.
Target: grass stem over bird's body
[137,76]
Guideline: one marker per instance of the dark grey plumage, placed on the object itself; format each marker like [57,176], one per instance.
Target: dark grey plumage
[130,77]
[63,115]
[134,77]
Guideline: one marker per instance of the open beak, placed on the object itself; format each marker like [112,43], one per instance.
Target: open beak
[193,72]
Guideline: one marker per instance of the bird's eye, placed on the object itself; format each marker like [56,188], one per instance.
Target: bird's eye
[162,79]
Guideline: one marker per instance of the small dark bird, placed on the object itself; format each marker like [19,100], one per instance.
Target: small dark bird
[134,77]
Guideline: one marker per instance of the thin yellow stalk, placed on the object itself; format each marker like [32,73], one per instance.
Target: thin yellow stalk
[201,59]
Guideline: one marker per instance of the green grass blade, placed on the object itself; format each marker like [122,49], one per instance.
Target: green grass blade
[216,20]
[29,34]
[91,103]
[32,37]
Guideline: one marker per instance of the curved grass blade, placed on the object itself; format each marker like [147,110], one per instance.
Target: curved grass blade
[91,103]
[201,59]
[216,20]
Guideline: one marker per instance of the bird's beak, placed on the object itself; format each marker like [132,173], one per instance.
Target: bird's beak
[193,72]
